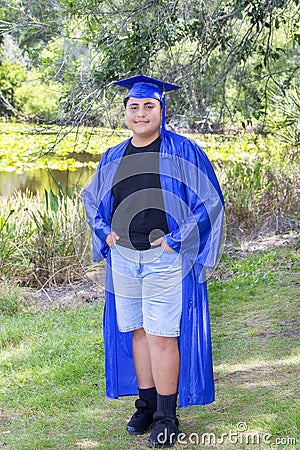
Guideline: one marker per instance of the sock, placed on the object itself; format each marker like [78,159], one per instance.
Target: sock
[167,404]
[150,396]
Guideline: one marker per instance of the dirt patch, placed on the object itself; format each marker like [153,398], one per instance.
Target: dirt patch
[243,246]
[290,329]
[67,297]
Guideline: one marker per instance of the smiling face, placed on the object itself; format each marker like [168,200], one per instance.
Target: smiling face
[143,117]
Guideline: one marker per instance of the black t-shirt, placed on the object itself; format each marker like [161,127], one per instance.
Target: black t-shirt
[138,212]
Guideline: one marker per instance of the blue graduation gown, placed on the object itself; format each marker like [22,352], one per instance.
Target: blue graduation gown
[194,208]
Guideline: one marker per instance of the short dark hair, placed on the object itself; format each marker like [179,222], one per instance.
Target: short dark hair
[125,101]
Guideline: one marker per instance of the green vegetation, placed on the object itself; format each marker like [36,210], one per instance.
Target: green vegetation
[52,385]
[42,239]
[237,60]
[26,147]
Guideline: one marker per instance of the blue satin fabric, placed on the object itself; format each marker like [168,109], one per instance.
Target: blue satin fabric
[195,211]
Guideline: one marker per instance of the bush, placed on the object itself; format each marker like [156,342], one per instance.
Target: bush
[36,100]
[287,120]
[43,238]
[259,178]
[11,77]
[257,195]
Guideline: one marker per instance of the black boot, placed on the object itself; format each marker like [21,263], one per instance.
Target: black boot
[142,419]
[165,427]
[164,432]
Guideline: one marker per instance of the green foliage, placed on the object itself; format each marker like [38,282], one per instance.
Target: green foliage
[36,100]
[287,122]
[40,237]
[7,235]
[22,92]
[11,76]
[258,176]
[250,184]
[257,194]
[226,55]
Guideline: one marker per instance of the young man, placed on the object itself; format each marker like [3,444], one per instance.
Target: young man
[156,212]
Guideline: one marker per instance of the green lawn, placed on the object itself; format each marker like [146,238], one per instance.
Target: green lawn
[52,368]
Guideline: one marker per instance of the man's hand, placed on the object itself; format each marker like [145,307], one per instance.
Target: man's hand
[112,238]
[160,241]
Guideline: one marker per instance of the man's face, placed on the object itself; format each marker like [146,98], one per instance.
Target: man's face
[143,117]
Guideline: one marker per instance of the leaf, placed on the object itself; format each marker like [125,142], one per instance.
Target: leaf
[53,201]
[69,191]
[239,14]
[46,199]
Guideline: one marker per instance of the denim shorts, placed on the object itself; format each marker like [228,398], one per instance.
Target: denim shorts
[148,290]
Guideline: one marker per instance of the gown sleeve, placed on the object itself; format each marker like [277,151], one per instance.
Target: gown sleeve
[95,199]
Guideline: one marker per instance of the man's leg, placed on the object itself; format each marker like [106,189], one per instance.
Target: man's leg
[141,358]
[128,298]
[165,363]
[146,405]
[162,308]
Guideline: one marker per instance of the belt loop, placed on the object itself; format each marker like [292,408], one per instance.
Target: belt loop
[140,261]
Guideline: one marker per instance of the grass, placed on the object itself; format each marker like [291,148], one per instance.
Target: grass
[52,368]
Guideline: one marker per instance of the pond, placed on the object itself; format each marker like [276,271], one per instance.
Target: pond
[37,180]
[35,160]
[41,179]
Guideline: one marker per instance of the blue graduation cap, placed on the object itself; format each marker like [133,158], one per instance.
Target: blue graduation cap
[141,86]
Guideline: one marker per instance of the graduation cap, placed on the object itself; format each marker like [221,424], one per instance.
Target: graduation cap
[141,86]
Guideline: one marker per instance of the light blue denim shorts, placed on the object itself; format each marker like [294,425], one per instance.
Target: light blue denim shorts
[148,290]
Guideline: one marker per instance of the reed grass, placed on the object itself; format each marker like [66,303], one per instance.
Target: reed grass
[43,238]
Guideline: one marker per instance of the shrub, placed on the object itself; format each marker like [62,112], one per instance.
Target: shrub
[11,76]
[287,120]
[43,238]
[36,100]
[259,195]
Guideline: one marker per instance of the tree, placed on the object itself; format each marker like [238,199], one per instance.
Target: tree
[225,54]
[12,74]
